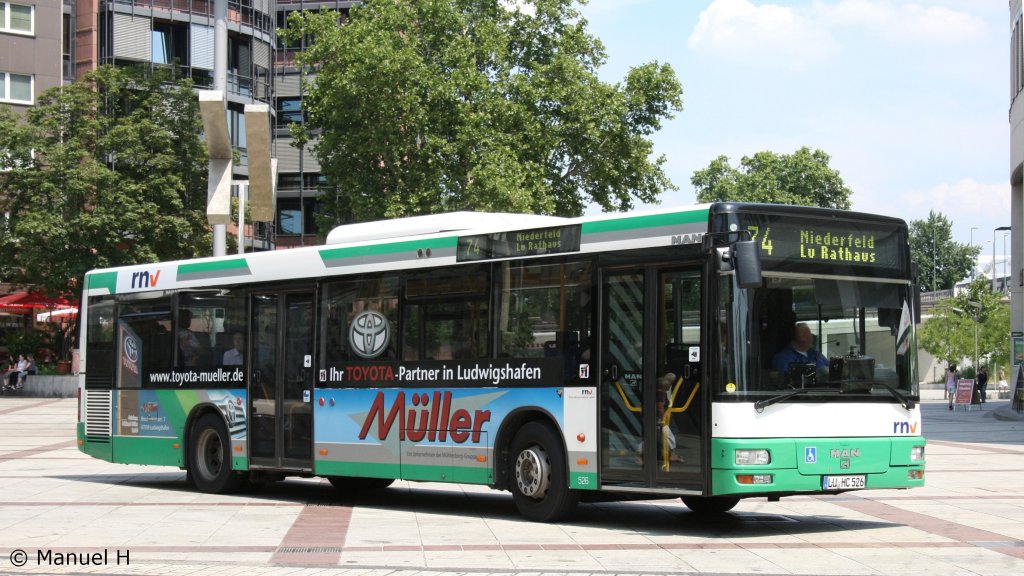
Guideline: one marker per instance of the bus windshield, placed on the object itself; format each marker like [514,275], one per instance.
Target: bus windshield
[833,339]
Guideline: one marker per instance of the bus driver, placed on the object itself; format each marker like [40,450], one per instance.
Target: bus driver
[799,351]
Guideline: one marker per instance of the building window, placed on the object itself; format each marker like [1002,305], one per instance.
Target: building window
[16,88]
[313,181]
[17,18]
[170,44]
[295,216]
[289,110]
[68,46]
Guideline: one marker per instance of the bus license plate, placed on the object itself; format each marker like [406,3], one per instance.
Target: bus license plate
[842,482]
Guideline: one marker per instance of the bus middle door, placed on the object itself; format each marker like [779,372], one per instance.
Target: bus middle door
[651,433]
[281,380]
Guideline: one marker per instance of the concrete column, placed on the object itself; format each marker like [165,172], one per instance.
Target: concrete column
[220,84]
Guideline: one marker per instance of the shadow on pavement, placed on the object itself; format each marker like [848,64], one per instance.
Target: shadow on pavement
[650,517]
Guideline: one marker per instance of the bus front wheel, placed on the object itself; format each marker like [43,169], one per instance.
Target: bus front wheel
[539,474]
[209,457]
[710,504]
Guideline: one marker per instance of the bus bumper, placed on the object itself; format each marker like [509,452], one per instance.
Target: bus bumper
[804,465]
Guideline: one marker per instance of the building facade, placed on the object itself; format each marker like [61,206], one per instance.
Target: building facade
[1016,166]
[32,49]
[44,43]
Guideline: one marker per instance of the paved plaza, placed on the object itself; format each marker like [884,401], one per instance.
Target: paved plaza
[59,506]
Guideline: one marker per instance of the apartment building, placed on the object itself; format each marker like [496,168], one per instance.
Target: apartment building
[46,42]
[32,54]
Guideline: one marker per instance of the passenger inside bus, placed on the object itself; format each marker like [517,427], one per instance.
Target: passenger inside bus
[189,347]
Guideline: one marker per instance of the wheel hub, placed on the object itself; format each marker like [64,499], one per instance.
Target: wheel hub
[533,472]
[211,454]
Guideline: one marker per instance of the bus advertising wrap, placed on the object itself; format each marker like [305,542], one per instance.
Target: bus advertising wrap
[536,372]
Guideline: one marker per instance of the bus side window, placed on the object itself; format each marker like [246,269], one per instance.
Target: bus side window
[342,303]
[146,321]
[545,310]
[447,314]
[205,329]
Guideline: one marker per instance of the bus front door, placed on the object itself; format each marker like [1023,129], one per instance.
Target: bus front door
[651,433]
[281,381]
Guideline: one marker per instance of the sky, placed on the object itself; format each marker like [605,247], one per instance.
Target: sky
[910,98]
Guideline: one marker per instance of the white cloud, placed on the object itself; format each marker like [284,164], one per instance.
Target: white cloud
[804,34]
[902,22]
[741,30]
[966,201]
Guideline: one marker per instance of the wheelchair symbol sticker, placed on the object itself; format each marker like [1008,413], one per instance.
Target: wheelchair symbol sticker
[810,455]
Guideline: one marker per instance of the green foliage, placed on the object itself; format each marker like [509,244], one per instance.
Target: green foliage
[940,260]
[802,178]
[27,341]
[949,333]
[428,106]
[107,171]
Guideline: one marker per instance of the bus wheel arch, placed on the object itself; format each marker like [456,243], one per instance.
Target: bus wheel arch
[510,425]
[538,473]
[207,446]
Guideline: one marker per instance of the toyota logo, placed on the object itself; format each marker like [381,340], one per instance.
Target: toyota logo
[131,349]
[369,334]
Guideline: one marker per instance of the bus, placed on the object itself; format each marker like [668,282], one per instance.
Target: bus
[615,356]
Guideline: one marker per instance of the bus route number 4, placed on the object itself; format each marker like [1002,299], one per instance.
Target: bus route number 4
[766,243]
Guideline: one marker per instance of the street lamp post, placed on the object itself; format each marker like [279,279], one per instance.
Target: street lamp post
[1001,228]
[1005,262]
[975,311]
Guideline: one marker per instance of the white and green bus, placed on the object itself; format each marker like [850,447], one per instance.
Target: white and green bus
[628,354]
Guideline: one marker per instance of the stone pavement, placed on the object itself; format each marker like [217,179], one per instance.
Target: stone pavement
[57,505]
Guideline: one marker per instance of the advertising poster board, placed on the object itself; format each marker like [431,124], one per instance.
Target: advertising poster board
[964,391]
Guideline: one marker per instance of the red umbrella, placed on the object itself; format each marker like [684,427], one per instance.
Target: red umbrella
[24,302]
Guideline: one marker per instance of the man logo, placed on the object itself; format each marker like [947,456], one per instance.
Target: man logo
[369,334]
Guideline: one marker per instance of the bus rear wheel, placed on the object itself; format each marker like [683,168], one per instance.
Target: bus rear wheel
[710,504]
[209,457]
[539,474]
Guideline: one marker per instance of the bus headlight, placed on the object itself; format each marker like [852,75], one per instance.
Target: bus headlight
[917,454]
[747,457]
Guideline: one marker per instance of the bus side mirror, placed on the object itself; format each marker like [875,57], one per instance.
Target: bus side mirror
[747,264]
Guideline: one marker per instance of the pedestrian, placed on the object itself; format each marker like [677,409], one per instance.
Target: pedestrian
[982,382]
[15,376]
[952,377]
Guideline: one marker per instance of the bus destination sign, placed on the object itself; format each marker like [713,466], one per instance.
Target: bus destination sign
[518,243]
[782,239]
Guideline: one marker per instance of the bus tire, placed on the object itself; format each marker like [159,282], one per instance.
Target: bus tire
[209,457]
[710,505]
[538,474]
[357,484]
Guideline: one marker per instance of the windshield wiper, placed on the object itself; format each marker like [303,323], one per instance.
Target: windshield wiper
[762,404]
[906,402]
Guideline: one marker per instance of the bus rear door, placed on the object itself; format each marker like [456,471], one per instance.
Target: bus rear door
[651,409]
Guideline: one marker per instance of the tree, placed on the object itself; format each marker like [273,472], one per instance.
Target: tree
[941,262]
[802,178]
[949,333]
[427,106]
[107,171]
